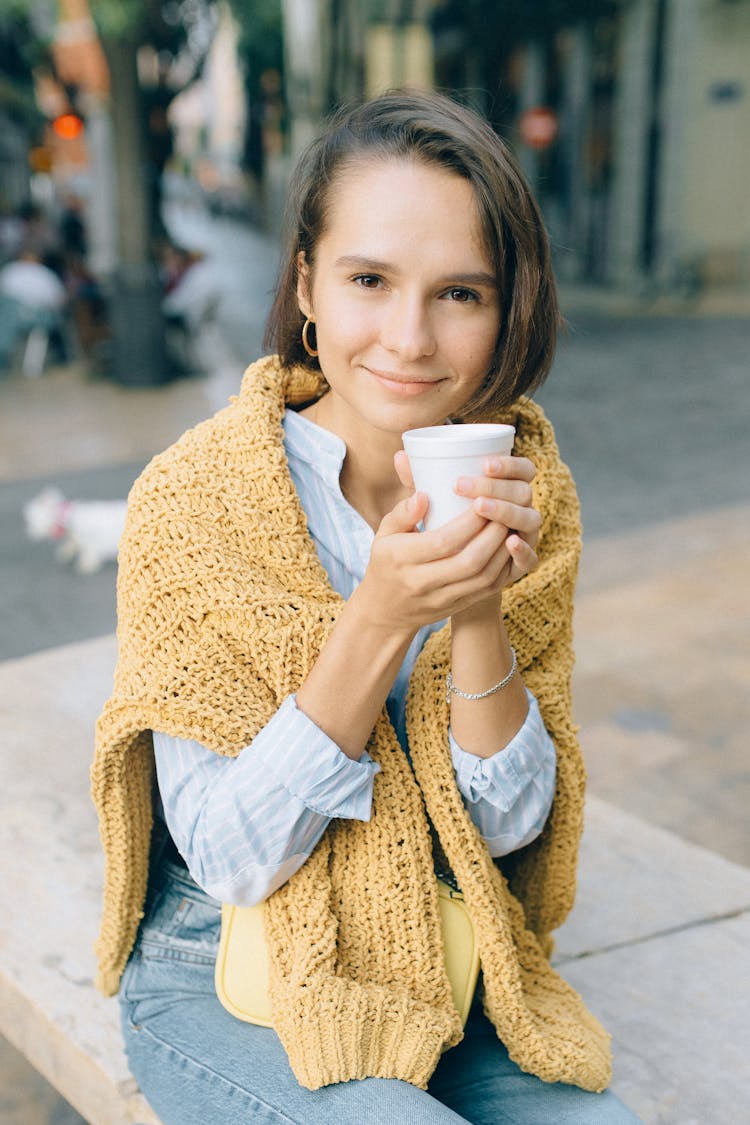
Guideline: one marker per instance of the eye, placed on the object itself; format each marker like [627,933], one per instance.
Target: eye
[367,280]
[461,295]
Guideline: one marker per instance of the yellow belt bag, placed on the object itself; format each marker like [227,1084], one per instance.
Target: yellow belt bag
[242,962]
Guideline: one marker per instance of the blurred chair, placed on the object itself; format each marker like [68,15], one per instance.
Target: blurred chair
[27,331]
[32,312]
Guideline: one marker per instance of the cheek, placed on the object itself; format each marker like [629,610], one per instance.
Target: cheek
[345,325]
[489,341]
[339,339]
[473,350]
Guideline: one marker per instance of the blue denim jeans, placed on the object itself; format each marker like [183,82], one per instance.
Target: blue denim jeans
[198,1065]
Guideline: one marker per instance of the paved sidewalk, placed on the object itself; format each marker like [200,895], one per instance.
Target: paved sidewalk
[662,679]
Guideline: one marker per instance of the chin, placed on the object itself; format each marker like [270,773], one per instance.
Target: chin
[399,417]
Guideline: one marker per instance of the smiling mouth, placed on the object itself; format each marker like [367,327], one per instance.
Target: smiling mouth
[402,385]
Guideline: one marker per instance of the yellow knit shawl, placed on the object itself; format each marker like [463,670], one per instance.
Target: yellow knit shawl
[223,607]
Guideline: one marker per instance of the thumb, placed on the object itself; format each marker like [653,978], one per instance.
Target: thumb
[405,516]
[403,468]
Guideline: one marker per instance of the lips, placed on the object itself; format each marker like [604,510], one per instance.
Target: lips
[403,384]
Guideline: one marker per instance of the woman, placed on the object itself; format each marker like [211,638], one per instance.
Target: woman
[286,633]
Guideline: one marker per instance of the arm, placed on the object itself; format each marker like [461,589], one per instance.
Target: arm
[493,558]
[509,795]
[480,651]
[244,825]
[412,580]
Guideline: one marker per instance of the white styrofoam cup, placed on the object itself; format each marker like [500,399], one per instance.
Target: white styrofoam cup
[439,455]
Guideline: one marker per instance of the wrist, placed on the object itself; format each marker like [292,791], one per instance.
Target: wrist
[451,689]
[482,615]
[368,620]
[349,683]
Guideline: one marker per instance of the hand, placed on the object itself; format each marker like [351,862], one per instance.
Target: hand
[502,497]
[415,579]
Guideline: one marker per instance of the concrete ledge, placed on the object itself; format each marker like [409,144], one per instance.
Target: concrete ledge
[658,943]
[678,1009]
[48,834]
[638,882]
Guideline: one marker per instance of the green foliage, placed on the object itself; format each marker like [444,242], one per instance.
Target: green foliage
[23,46]
[118,19]
[511,22]
[40,14]
[167,25]
[261,45]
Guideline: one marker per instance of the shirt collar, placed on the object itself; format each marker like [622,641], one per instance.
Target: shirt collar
[323,451]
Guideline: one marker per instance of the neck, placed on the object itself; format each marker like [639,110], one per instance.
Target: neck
[372,490]
[368,478]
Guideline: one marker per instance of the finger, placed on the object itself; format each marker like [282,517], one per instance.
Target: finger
[464,566]
[525,558]
[403,468]
[510,468]
[511,561]
[526,521]
[486,583]
[405,516]
[446,541]
[512,491]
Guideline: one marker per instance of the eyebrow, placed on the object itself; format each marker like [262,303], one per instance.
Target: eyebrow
[373,265]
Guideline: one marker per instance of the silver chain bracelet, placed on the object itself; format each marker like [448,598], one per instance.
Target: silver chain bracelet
[450,687]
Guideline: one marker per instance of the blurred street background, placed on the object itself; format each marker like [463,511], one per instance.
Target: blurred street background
[144,153]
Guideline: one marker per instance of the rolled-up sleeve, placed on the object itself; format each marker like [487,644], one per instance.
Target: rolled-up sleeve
[509,795]
[244,825]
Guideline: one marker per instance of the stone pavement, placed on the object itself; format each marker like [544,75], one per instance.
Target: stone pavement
[652,414]
[662,680]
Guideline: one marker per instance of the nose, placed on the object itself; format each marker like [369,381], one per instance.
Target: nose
[407,329]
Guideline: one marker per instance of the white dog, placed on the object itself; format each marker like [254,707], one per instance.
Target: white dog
[88,531]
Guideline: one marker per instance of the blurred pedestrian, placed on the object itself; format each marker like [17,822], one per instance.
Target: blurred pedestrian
[73,229]
[88,308]
[332,706]
[32,297]
[11,234]
[192,290]
[190,305]
[39,235]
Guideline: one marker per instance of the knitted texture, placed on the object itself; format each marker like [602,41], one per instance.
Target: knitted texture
[223,606]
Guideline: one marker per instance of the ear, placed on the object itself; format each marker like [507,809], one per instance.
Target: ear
[303,285]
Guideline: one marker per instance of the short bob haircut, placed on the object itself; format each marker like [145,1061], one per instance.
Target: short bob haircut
[435,130]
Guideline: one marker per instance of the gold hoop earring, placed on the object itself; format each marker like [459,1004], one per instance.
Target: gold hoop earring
[305,342]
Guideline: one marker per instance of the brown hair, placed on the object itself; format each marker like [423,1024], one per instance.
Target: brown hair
[434,129]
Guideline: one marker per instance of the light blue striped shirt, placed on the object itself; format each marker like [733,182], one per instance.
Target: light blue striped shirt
[244,825]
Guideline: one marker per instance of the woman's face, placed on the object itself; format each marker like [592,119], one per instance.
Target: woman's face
[403,296]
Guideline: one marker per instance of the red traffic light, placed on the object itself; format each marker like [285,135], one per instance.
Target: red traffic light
[68,126]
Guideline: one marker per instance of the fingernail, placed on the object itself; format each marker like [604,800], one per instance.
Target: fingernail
[463,485]
[484,506]
[493,465]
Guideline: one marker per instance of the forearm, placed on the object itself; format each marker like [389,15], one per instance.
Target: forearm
[509,795]
[245,824]
[349,683]
[481,656]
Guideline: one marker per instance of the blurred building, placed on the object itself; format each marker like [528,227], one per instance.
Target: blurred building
[679,200]
[210,116]
[630,117]
[19,116]
[83,164]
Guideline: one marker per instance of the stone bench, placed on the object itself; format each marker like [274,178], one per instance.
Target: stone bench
[658,943]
